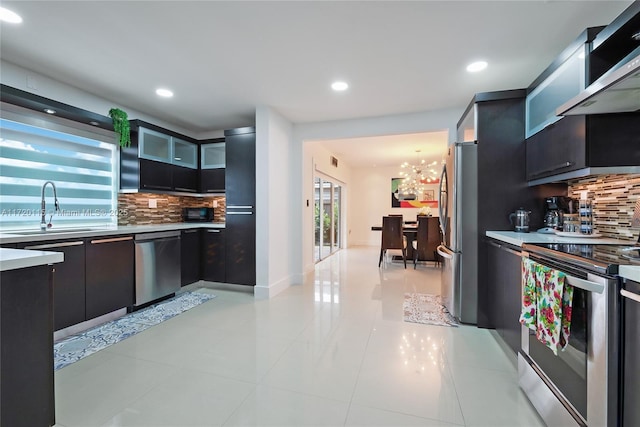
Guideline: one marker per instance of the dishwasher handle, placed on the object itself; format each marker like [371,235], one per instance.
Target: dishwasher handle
[157,235]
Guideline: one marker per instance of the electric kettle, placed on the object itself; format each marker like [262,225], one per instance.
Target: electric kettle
[521,222]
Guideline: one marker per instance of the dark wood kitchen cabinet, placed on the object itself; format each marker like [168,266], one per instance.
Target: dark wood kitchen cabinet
[155,175]
[240,169]
[578,142]
[212,180]
[26,357]
[190,256]
[110,274]
[159,160]
[214,243]
[212,166]
[240,206]
[504,279]
[185,179]
[69,289]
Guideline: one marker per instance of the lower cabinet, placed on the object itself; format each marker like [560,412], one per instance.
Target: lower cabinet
[110,274]
[504,284]
[190,254]
[26,360]
[69,289]
[213,254]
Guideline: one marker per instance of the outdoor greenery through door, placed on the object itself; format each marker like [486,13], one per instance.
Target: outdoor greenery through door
[327,218]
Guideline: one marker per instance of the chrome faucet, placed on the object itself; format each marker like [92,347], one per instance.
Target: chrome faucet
[43,223]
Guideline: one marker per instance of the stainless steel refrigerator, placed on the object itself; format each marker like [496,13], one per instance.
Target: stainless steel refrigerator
[458,209]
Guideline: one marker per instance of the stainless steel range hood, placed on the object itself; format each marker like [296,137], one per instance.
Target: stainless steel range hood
[617,91]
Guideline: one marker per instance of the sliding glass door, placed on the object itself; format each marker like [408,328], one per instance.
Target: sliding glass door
[327,217]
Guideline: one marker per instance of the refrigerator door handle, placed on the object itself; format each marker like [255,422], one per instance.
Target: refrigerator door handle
[444,252]
[443,208]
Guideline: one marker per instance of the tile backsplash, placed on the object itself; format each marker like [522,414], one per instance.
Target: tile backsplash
[614,198]
[138,212]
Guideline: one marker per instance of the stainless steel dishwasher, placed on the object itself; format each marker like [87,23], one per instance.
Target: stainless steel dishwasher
[157,265]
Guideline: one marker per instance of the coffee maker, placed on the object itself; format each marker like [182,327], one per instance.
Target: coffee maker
[555,209]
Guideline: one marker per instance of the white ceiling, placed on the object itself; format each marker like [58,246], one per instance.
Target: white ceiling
[224,58]
[393,150]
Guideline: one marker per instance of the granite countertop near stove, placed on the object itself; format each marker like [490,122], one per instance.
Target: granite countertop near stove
[518,239]
[33,235]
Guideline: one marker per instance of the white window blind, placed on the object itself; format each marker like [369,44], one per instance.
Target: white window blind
[80,160]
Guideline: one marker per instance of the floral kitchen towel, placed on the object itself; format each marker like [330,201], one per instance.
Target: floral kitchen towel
[528,316]
[546,304]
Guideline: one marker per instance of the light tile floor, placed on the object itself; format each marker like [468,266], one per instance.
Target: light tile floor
[334,351]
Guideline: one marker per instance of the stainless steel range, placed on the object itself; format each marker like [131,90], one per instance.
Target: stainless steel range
[580,386]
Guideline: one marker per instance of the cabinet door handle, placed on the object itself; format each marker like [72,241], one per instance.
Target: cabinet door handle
[239,207]
[214,190]
[239,213]
[160,187]
[213,231]
[190,231]
[191,190]
[55,245]
[625,293]
[553,168]
[115,239]
[494,244]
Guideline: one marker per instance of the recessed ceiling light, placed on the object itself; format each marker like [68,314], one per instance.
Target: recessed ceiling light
[7,15]
[339,86]
[474,67]
[166,93]
[49,111]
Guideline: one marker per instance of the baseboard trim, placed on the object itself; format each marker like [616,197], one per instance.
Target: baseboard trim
[265,292]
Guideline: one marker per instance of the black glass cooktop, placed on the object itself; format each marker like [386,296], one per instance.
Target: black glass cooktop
[605,258]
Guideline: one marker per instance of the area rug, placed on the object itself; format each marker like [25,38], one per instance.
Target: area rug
[427,309]
[76,347]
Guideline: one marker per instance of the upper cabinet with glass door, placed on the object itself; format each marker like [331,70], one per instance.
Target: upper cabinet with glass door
[562,84]
[563,79]
[212,156]
[185,153]
[153,145]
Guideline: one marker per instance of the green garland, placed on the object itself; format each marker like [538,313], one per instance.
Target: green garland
[121,126]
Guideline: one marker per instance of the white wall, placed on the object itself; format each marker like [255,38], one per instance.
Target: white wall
[274,182]
[370,199]
[373,126]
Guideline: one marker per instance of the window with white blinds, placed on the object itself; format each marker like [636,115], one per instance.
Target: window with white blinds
[80,160]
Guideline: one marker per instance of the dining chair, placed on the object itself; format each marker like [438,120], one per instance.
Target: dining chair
[393,237]
[427,240]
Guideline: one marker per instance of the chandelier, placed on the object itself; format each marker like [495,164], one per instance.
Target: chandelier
[415,178]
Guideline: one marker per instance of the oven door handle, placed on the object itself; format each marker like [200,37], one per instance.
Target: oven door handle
[625,293]
[584,284]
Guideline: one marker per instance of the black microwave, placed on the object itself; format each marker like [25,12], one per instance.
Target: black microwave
[197,214]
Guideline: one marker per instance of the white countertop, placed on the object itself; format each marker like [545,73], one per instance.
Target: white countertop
[12,259]
[631,272]
[518,239]
[16,237]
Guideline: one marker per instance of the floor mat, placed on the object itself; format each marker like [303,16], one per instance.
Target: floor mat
[427,309]
[76,347]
